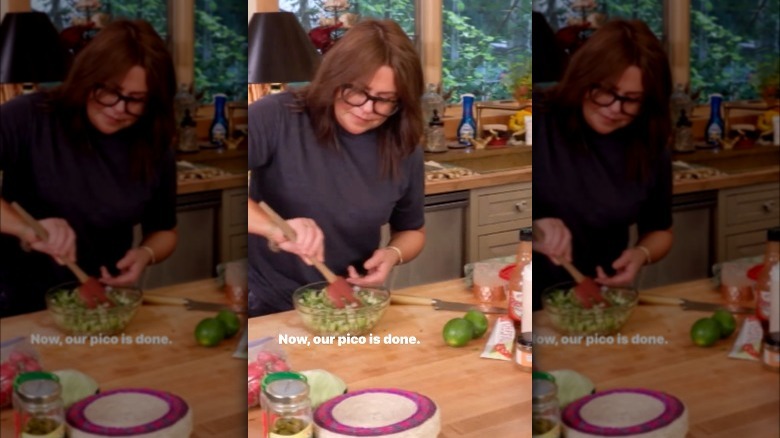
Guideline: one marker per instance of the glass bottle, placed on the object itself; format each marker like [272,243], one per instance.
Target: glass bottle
[515,286]
[679,101]
[763,281]
[434,137]
[187,134]
[432,104]
[545,413]
[468,127]
[682,134]
[39,408]
[287,409]
[183,101]
[219,126]
[715,128]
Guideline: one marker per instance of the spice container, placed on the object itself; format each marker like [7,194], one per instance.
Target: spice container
[545,412]
[38,407]
[286,408]
[770,351]
[524,351]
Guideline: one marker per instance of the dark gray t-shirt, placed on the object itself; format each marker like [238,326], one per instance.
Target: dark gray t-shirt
[341,190]
[93,188]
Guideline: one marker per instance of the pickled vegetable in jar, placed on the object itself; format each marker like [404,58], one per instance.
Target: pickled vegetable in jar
[38,407]
[287,409]
[546,416]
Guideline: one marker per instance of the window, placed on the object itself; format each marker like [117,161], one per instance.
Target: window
[221,49]
[66,13]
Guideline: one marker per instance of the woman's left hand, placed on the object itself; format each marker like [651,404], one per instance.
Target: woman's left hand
[130,268]
[626,267]
[377,269]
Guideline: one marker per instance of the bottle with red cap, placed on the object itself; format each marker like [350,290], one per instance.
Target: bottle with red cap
[763,281]
[515,287]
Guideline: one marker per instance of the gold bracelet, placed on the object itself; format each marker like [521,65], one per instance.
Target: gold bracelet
[397,251]
[151,253]
[646,252]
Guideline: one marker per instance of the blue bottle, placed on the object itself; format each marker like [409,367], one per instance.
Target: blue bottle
[715,128]
[467,128]
[219,126]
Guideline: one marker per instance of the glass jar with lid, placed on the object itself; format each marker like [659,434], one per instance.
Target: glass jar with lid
[432,101]
[546,415]
[287,409]
[38,406]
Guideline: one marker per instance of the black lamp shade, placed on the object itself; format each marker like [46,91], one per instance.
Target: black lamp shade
[31,49]
[279,49]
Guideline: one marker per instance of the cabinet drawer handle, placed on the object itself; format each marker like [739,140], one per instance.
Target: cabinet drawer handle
[520,206]
[769,206]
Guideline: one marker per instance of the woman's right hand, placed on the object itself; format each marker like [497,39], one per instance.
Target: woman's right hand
[553,239]
[61,244]
[309,242]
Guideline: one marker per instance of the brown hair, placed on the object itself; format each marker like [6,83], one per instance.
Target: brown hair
[120,46]
[613,48]
[364,48]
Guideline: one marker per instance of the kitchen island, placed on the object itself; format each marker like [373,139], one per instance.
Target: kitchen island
[478,397]
[725,397]
[210,380]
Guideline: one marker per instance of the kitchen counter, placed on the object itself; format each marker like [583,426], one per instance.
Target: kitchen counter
[209,379]
[215,183]
[725,397]
[478,397]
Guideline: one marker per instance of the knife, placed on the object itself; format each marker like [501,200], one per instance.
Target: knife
[692,305]
[443,305]
[186,302]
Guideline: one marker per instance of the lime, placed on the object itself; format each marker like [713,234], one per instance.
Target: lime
[209,332]
[479,320]
[230,321]
[705,332]
[571,386]
[458,332]
[726,322]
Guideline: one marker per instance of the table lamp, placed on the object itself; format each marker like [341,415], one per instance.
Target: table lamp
[279,50]
[30,49]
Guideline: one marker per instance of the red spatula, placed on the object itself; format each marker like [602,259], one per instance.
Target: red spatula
[92,292]
[587,291]
[338,290]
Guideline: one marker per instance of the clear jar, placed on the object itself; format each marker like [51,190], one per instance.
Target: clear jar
[546,416]
[287,409]
[524,351]
[39,409]
[770,351]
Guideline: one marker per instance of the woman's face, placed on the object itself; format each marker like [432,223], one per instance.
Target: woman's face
[362,108]
[113,107]
[609,107]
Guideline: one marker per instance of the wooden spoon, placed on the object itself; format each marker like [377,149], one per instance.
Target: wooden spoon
[92,292]
[338,290]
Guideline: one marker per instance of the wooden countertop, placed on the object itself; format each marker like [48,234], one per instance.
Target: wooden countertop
[217,183]
[733,179]
[725,397]
[209,379]
[478,397]
[521,174]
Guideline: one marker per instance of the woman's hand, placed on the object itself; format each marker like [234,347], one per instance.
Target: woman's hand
[61,244]
[554,239]
[626,267]
[309,242]
[131,266]
[377,267]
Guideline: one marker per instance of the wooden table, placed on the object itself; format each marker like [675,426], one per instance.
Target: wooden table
[211,381]
[725,397]
[478,397]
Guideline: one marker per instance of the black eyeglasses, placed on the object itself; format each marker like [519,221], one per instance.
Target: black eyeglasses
[107,96]
[357,97]
[601,96]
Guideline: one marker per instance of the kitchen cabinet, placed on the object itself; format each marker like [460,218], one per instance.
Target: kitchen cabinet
[744,215]
[233,225]
[496,214]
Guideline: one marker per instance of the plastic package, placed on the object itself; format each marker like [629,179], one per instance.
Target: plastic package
[265,356]
[17,355]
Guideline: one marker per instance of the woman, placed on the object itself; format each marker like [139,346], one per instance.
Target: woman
[338,159]
[90,159]
[601,161]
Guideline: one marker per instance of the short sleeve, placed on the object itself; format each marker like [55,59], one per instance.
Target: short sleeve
[409,211]
[16,117]
[160,213]
[656,212]
[264,117]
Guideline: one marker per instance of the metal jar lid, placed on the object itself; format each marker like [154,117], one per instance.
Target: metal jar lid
[39,391]
[543,391]
[287,391]
[525,339]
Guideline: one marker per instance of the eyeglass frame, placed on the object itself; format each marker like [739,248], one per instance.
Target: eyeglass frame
[622,99]
[119,97]
[374,100]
